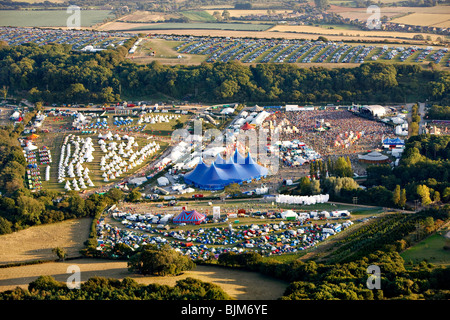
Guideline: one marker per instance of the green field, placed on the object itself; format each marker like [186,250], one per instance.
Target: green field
[430,249]
[201,16]
[213,26]
[49,18]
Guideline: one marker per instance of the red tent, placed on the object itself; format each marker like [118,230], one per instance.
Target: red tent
[247,126]
[193,217]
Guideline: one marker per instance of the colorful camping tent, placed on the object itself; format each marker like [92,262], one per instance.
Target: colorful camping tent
[33,136]
[247,126]
[193,217]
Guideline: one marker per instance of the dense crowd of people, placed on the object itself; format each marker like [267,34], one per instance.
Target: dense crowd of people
[332,132]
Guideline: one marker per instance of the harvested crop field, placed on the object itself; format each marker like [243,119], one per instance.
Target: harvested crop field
[390,12]
[206,26]
[426,19]
[241,285]
[272,34]
[36,243]
[360,34]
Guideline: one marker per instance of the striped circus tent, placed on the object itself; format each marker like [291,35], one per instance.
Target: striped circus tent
[192,217]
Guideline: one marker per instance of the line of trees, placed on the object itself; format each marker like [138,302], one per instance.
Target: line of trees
[422,174]
[53,73]
[436,112]
[100,288]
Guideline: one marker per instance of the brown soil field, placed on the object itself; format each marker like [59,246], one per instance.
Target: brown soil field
[239,284]
[36,243]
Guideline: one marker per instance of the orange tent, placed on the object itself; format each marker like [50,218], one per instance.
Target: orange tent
[33,137]
[247,126]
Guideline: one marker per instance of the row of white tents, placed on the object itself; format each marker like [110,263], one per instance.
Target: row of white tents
[305,200]
[157,118]
[120,157]
[71,163]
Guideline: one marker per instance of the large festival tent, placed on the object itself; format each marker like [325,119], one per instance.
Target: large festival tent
[393,142]
[236,169]
[192,216]
[373,157]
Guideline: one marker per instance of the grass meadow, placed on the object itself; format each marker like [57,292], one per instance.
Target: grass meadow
[49,18]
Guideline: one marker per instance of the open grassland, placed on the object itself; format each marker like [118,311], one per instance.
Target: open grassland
[49,18]
[431,249]
[202,16]
[36,243]
[164,52]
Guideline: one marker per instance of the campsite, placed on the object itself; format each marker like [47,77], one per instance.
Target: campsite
[198,150]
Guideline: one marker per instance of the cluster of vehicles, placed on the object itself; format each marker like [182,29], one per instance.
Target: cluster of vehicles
[273,50]
[77,38]
[439,55]
[300,51]
[422,55]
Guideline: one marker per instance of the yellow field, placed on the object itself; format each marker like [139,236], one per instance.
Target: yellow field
[426,19]
[361,13]
[36,243]
[350,33]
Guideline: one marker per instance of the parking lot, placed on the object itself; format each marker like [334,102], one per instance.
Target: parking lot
[304,51]
[79,39]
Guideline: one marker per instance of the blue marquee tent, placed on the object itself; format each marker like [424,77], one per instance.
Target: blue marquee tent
[221,173]
[393,142]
